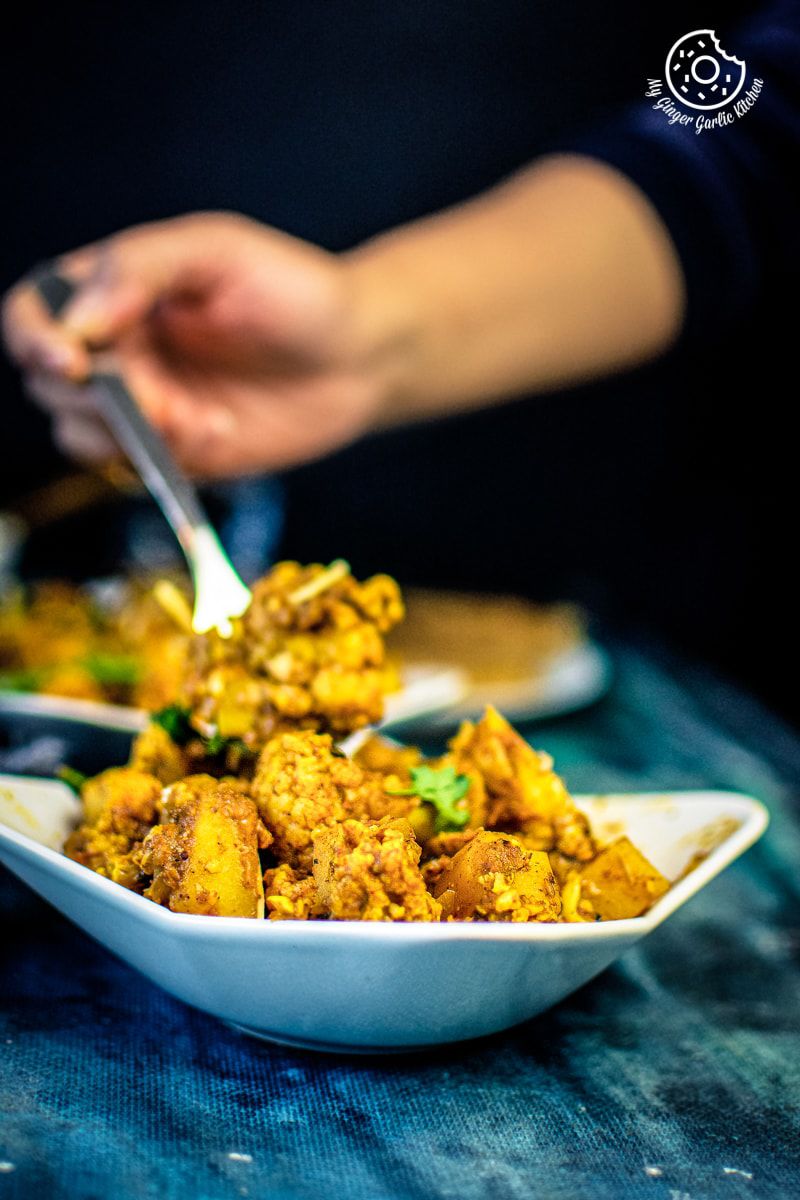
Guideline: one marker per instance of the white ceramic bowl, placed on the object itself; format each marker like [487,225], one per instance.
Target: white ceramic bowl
[372,987]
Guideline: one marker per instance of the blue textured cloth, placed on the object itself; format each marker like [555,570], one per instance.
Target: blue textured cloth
[673,1076]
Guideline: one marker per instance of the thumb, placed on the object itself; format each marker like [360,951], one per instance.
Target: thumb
[104,307]
[136,269]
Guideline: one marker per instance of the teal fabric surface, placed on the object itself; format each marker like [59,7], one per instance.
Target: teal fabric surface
[673,1076]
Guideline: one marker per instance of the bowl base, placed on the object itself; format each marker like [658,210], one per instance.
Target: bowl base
[280,1039]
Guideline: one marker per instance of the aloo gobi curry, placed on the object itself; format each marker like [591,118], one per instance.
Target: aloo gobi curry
[58,639]
[237,800]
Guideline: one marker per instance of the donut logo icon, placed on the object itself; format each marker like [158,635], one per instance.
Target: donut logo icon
[700,74]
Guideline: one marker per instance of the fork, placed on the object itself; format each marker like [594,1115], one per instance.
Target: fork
[219,593]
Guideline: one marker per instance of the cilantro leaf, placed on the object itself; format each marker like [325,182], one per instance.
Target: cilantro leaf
[23,679]
[216,744]
[72,778]
[175,720]
[442,788]
[113,670]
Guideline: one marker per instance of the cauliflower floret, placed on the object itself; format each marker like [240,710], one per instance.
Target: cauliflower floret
[291,896]
[300,784]
[370,872]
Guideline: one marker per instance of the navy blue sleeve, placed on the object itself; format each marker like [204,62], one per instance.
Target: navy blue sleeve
[728,195]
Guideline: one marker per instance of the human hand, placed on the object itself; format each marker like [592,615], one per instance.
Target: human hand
[251,350]
[240,343]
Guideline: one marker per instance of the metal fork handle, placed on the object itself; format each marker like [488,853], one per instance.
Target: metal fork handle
[144,446]
[148,452]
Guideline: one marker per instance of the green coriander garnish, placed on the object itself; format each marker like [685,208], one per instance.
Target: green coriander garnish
[442,788]
[175,720]
[72,778]
[113,670]
[23,679]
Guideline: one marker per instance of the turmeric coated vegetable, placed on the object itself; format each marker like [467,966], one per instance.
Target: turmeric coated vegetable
[61,639]
[370,872]
[496,879]
[620,882]
[239,802]
[308,653]
[514,787]
[203,858]
[120,805]
[302,785]
[154,751]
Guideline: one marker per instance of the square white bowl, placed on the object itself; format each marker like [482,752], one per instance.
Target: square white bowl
[373,987]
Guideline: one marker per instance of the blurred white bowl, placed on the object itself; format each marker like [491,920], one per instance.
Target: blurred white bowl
[426,688]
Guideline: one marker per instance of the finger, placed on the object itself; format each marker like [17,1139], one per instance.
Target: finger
[166,404]
[163,403]
[196,429]
[162,395]
[85,438]
[58,395]
[202,443]
[78,265]
[137,269]
[36,341]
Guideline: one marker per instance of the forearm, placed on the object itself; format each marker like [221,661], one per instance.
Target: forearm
[563,273]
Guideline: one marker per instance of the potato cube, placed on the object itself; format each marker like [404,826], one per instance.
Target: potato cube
[204,859]
[495,878]
[620,882]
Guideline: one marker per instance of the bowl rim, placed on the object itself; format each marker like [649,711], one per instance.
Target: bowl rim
[752,815]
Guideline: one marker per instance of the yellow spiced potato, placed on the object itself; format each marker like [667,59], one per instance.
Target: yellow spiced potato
[514,787]
[494,878]
[203,858]
[120,805]
[238,800]
[620,882]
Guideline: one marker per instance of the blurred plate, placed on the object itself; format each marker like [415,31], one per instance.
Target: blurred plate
[570,681]
[33,714]
[529,660]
